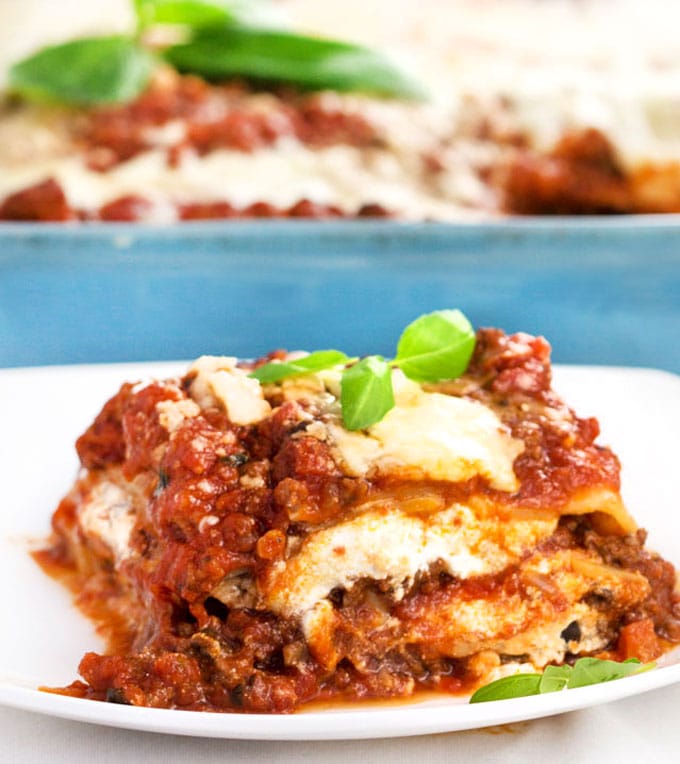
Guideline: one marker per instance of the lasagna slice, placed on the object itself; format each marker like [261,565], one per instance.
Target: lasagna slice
[243,551]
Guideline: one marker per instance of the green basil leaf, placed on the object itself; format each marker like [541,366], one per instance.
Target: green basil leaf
[555,678]
[436,346]
[318,361]
[515,686]
[193,13]
[366,393]
[277,56]
[587,671]
[86,72]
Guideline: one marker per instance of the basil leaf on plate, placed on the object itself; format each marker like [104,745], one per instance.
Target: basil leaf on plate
[587,671]
[318,361]
[277,56]
[516,686]
[89,71]
[436,346]
[366,393]
[554,678]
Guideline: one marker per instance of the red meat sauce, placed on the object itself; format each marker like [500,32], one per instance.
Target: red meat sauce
[581,175]
[173,644]
[214,117]
[46,202]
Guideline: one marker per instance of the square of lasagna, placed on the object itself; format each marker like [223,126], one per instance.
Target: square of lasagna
[241,550]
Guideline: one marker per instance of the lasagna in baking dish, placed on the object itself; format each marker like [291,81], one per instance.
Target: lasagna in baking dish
[243,550]
[532,107]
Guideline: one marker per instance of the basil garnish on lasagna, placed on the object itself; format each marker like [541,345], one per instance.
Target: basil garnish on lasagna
[243,550]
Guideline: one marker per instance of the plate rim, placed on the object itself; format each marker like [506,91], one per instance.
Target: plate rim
[401,719]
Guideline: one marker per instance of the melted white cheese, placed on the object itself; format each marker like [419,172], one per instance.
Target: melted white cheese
[596,63]
[218,381]
[430,435]
[425,435]
[171,414]
[281,175]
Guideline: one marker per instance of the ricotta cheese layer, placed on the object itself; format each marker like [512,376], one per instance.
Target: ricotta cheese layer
[393,547]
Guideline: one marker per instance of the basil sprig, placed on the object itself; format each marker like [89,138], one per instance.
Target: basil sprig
[366,392]
[269,55]
[319,361]
[220,39]
[585,672]
[86,72]
[434,347]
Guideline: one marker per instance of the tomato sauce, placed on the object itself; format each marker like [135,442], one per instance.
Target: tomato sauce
[212,117]
[581,175]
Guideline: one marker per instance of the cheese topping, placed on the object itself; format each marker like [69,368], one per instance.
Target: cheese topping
[171,414]
[431,435]
[241,396]
[425,435]
[340,176]
[219,382]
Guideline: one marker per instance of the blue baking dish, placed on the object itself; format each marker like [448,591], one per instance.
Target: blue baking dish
[604,291]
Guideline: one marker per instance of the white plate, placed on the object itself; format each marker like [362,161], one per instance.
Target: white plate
[43,636]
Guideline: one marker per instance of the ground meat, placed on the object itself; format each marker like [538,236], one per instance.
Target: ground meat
[126,209]
[223,210]
[511,363]
[581,175]
[103,443]
[512,374]
[45,202]
[214,117]
[628,552]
